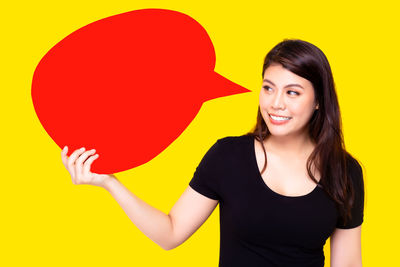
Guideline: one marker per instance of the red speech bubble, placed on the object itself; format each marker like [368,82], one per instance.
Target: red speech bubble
[127,85]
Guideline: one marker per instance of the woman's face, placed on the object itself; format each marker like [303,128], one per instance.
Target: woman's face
[290,98]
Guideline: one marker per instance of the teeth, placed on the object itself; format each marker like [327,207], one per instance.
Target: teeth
[280,118]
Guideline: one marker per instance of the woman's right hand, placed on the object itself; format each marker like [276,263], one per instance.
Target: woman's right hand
[78,166]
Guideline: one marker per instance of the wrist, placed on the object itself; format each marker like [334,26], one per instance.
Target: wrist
[109,181]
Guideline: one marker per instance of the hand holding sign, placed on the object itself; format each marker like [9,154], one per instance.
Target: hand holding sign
[78,166]
[127,85]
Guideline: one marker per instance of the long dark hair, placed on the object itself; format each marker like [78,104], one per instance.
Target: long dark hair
[329,155]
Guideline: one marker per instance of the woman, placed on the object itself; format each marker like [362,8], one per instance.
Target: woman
[283,188]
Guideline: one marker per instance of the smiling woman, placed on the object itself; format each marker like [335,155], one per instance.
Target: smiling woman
[281,213]
[299,129]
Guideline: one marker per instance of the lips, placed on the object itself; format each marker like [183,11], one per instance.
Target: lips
[278,120]
[279,116]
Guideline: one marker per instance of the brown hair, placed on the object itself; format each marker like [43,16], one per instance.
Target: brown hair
[329,156]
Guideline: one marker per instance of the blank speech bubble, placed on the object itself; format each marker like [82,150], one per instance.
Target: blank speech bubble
[127,85]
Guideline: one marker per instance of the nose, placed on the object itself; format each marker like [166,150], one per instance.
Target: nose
[278,101]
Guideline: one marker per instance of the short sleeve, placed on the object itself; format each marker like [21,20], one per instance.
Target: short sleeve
[205,178]
[357,212]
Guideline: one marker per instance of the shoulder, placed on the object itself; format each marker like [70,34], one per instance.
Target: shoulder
[233,141]
[355,171]
[353,166]
[230,147]
[224,152]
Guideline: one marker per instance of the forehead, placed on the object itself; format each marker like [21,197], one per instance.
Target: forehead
[281,76]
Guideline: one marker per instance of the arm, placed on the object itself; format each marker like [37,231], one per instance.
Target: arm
[168,231]
[346,247]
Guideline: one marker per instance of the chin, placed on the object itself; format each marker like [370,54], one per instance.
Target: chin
[277,132]
[274,133]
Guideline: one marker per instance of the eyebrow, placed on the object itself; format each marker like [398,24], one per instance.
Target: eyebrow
[288,85]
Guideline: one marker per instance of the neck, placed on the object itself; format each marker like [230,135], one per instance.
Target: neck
[289,146]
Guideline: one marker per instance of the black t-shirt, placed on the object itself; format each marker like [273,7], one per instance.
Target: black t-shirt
[259,227]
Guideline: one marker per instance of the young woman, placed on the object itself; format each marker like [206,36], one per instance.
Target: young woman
[283,188]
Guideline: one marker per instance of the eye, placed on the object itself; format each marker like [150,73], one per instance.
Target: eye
[294,93]
[266,87]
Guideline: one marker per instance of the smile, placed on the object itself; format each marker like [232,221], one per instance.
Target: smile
[279,118]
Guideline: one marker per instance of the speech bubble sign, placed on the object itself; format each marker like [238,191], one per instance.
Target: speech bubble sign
[127,85]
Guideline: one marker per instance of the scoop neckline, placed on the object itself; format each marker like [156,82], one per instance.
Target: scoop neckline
[261,180]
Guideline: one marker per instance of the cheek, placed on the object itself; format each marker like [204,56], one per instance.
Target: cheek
[263,100]
[302,109]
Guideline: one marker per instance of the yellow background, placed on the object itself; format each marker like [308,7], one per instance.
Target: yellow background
[48,221]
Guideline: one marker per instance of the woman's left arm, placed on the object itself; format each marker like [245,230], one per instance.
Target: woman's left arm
[346,247]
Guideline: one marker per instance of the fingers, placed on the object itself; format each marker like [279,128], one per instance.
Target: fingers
[80,160]
[88,163]
[71,161]
[79,163]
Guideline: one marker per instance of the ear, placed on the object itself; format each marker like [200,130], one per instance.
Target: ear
[317,106]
